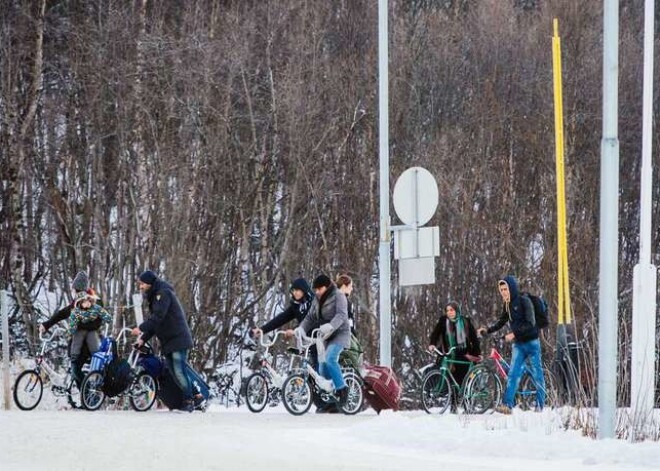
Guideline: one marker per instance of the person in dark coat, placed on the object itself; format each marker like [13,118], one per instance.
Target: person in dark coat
[456,330]
[518,311]
[89,329]
[301,300]
[168,323]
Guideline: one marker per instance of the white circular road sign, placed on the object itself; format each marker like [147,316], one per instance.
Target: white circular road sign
[415,196]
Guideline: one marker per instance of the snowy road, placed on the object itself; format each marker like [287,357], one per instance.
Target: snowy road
[235,439]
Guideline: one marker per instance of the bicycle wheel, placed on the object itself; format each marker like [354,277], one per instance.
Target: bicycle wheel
[91,391]
[143,392]
[256,392]
[528,390]
[436,392]
[355,398]
[482,390]
[296,394]
[28,390]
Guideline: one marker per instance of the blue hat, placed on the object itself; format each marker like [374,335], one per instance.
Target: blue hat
[148,277]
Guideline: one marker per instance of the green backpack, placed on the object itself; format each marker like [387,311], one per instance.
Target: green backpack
[353,356]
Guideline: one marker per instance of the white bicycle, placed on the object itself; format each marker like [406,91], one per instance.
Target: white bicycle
[29,385]
[265,385]
[301,388]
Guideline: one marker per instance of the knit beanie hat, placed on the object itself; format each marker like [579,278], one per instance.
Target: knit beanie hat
[301,284]
[148,277]
[321,281]
[80,282]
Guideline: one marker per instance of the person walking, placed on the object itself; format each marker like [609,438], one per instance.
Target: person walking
[168,323]
[518,311]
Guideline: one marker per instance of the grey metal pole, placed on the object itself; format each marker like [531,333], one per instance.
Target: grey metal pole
[4,313]
[645,273]
[609,225]
[384,153]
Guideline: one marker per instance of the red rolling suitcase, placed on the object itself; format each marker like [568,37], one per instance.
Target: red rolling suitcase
[382,388]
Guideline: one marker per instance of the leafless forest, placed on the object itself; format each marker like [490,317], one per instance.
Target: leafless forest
[233,146]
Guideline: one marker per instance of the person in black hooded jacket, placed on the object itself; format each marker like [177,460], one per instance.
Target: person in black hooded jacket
[168,323]
[301,300]
[518,311]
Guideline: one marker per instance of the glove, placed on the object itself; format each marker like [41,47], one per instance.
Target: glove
[325,330]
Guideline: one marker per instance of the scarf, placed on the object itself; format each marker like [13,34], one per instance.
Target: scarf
[456,332]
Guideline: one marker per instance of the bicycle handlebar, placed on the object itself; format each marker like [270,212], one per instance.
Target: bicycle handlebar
[272,342]
[434,351]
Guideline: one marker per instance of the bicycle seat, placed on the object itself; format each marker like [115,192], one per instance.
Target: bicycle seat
[293,351]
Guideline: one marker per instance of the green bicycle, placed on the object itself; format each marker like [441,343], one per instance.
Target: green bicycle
[477,393]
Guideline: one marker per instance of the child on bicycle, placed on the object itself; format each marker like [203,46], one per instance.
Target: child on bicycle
[85,312]
[456,330]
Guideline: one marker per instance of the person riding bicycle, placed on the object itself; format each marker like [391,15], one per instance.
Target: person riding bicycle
[85,312]
[79,285]
[329,312]
[456,330]
[518,310]
[299,304]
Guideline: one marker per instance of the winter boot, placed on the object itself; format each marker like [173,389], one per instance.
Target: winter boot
[76,371]
[188,405]
[342,395]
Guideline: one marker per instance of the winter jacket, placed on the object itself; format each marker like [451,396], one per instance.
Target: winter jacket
[295,310]
[519,312]
[440,340]
[80,317]
[65,313]
[167,320]
[330,308]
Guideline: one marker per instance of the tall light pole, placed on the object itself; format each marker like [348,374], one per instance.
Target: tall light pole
[609,225]
[645,273]
[384,182]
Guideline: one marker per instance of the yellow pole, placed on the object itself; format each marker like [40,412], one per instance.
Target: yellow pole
[564,314]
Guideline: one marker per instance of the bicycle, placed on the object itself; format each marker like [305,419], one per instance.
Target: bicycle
[29,385]
[265,384]
[439,386]
[496,368]
[142,389]
[301,387]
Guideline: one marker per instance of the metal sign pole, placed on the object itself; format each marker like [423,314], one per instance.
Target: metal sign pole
[4,313]
[608,299]
[384,153]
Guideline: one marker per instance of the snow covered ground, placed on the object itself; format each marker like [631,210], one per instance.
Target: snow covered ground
[235,439]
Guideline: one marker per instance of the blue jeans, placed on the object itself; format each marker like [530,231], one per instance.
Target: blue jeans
[521,352]
[176,362]
[330,367]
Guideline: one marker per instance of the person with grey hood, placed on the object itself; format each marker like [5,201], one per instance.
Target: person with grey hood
[86,334]
[518,311]
[168,323]
[329,312]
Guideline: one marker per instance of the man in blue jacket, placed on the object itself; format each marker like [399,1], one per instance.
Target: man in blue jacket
[168,323]
[518,310]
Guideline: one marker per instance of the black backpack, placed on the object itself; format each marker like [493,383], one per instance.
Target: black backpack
[540,310]
[117,375]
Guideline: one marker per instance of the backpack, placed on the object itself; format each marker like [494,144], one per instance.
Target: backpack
[540,310]
[353,355]
[117,375]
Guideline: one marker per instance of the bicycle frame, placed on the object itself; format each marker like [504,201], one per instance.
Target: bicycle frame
[304,343]
[267,368]
[445,367]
